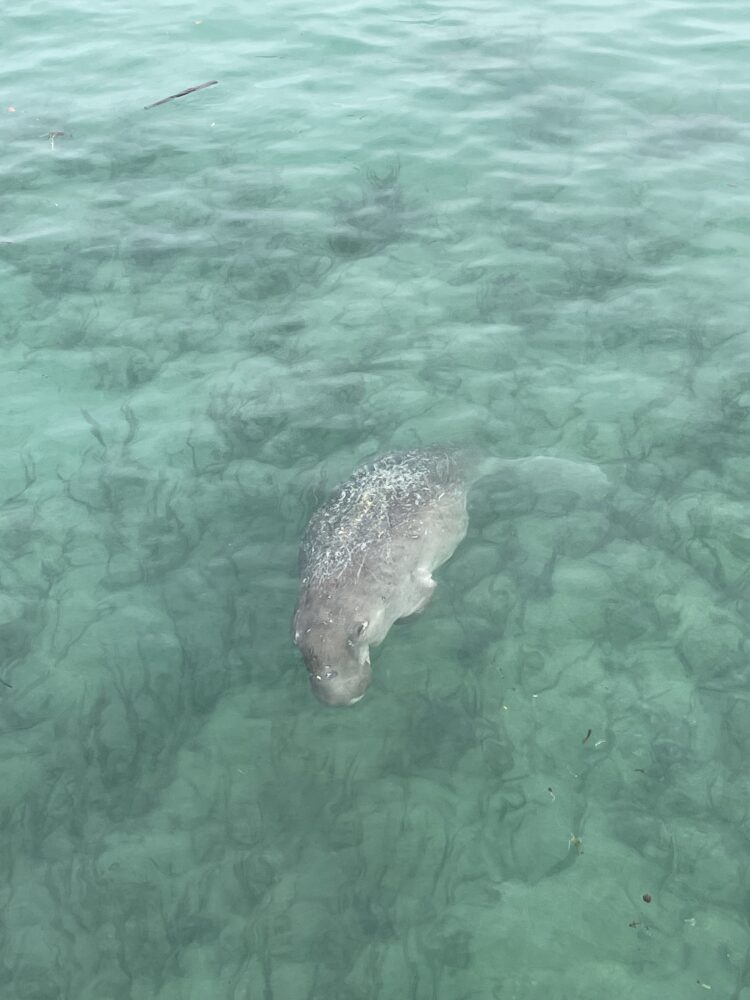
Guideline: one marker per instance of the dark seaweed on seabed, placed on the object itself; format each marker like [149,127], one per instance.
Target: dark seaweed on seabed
[377,218]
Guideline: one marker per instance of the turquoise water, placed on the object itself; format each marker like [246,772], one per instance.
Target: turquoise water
[523,227]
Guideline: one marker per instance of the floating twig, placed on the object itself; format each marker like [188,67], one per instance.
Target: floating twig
[182,93]
[52,136]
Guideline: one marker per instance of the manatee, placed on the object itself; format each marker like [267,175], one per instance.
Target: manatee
[368,553]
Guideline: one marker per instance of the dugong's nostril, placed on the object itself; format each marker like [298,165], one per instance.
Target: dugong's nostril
[327,676]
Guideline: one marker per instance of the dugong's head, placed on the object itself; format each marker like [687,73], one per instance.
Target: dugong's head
[337,657]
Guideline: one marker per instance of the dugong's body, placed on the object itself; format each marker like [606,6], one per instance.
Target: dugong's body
[367,559]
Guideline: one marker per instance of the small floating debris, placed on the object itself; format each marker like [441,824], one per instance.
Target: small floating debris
[52,136]
[587,737]
[182,93]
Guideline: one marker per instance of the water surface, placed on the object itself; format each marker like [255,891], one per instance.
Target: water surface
[519,227]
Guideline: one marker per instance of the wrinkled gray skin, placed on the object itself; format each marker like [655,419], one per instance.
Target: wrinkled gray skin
[368,554]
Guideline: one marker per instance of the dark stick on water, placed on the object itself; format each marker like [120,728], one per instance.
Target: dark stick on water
[182,93]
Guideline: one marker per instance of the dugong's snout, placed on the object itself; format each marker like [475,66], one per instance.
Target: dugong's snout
[341,689]
[342,679]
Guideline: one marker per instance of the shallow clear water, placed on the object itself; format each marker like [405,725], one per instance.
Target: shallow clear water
[523,227]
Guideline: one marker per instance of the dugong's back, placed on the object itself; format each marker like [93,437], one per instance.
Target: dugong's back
[380,503]
[367,557]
